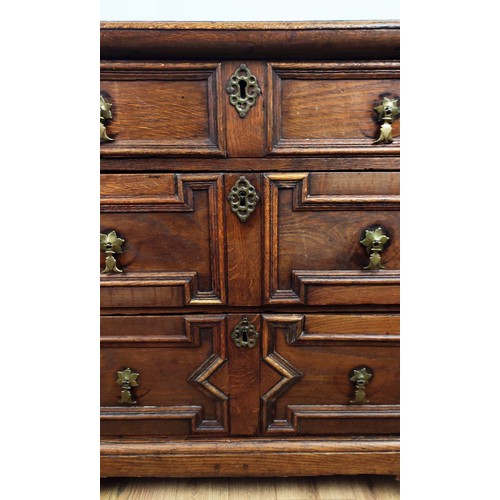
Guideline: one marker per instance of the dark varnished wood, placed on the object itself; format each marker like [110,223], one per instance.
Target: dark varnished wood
[192,270]
[244,135]
[244,380]
[311,357]
[286,40]
[163,109]
[250,457]
[313,225]
[244,248]
[174,239]
[177,393]
[269,164]
[327,108]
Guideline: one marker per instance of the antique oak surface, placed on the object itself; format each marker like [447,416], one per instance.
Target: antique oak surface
[258,324]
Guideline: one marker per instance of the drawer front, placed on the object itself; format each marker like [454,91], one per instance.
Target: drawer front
[163,109]
[328,108]
[173,253]
[314,224]
[182,382]
[330,374]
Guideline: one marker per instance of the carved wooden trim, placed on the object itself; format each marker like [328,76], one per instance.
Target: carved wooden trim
[295,334]
[200,378]
[180,201]
[303,200]
[289,374]
[291,164]
[295,326]
[363,70]
[250,40]
[188,337]
[297,412]
[214,145]
[194,414]
[250,457]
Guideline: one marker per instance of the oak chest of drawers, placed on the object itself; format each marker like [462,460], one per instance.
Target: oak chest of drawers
[250,249]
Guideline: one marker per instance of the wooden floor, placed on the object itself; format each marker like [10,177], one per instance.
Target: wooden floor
[320,488]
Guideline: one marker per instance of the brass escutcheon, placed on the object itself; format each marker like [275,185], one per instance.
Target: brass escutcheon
[243,90]
[245,334]
[374,242]
[243,198]
[360,377]
[387,111]
[127,379]
[110,245]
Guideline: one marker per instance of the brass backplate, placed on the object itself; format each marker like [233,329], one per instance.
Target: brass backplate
[374,241]
[111,245]
[105,116]
[127,379]
[388,111]
[360,377]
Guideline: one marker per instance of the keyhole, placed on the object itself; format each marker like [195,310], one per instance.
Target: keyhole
[244,335]
[243,86]
[243,198]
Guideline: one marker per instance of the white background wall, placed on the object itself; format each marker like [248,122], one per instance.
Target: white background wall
[247,10]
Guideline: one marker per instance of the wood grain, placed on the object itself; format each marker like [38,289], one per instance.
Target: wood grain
[270,164]
[319,488]
[244,135]
[163,109]
[313,392]
[175,393]
[184,41]
[328,107]
[244,381]
[192,270]
[174,237]
[244,248]
[321,222]
[247,457]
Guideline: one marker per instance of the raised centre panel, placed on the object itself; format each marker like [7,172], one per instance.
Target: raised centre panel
[309,368]
[178,379]
[173,254]
[328,108]
[163,109]
[314,224]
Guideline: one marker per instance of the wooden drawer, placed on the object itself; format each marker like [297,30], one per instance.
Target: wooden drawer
[194,379]
[173,253]
[163,109]
[314,223]
[183,375]
[307,364]
[328,107]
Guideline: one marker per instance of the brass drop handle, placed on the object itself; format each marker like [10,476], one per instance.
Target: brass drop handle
[105,116]
[111,245]
[374,241]
[245,334]
[243,198]
[127,379]
[360,377]
[387,111]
